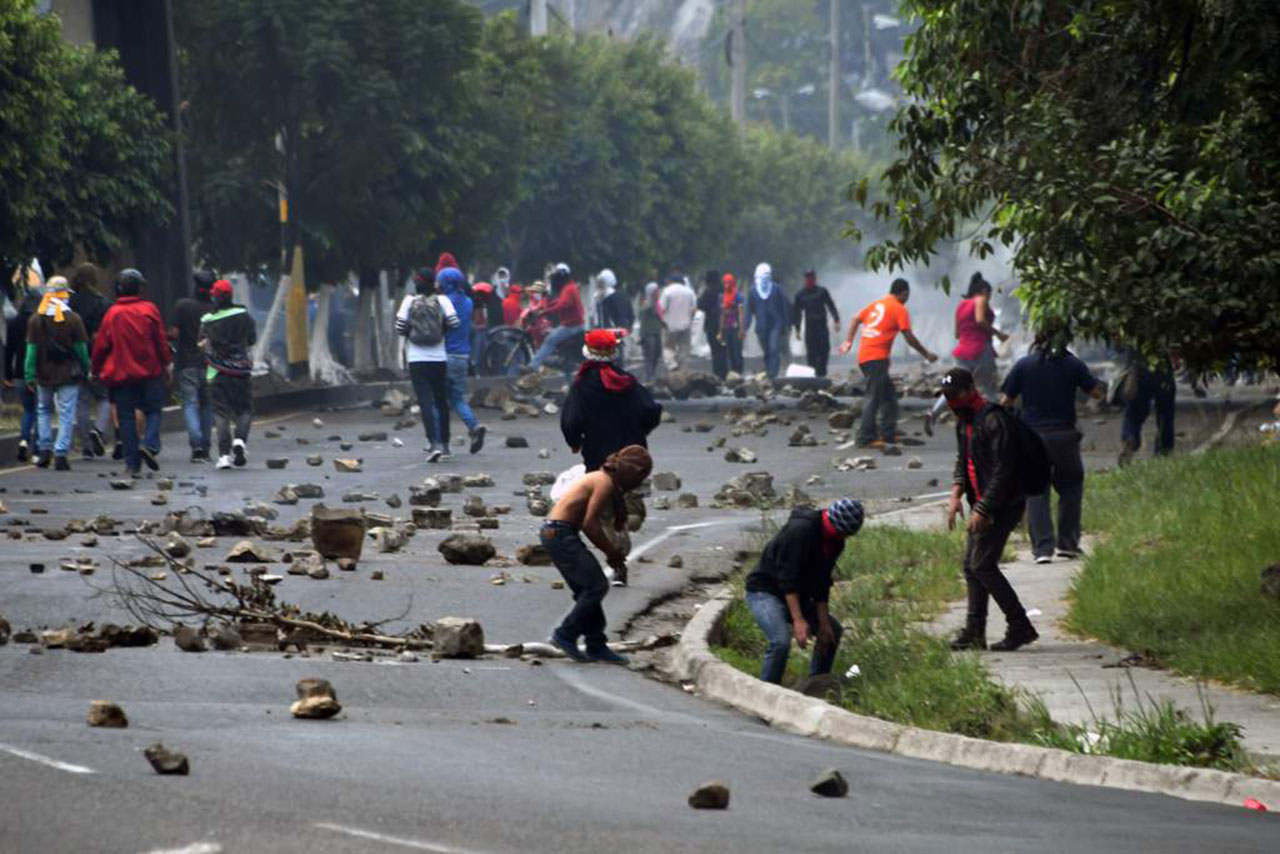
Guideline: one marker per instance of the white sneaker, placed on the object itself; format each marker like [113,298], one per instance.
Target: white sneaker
[239,453]
[1044,559]
[224,462]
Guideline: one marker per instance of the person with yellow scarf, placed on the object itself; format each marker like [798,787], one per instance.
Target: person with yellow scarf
[57,362]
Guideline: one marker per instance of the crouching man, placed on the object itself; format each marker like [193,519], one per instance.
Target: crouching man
[579,511]
[787,592]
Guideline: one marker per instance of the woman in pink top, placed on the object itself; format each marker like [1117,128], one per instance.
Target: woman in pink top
[975,327]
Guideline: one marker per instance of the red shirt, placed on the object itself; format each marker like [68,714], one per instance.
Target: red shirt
[131,345]
[511,310]
[567,306]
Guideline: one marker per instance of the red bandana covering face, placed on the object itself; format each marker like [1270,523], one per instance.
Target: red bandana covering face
[832,539]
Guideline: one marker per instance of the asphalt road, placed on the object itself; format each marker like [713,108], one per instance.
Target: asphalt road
[593,757]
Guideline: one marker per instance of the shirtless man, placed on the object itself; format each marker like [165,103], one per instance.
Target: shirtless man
[579,510]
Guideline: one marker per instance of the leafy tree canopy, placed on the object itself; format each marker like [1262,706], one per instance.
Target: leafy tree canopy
[1126,150]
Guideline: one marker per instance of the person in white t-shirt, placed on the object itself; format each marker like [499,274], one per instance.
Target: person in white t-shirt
[677,305]
[424,350]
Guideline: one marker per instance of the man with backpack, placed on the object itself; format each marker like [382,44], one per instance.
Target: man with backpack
[227,336]
[422,321]
[57,361]
[999,461]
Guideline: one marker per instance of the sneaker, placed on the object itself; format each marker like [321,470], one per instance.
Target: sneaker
[445,455]
[877,444]
[148,458]
[87,455]
[135,474]
[24,451]
[199,455]
[1015,638]
[477,438]
[95,442]
[224,462]
[967,640]
[604,655]
[60,464]
[569,649]
[46,457]
[238,452]
[434,455]
[117,453]
[1045,558]
[1070,554]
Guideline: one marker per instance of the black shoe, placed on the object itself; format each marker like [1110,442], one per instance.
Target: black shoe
[1015,638]
[967,640]
[95,443]
[45,458]
[61,464]
[477,438]
[238,453]
[148,457]
[117,453]
[199,455]
[24,451]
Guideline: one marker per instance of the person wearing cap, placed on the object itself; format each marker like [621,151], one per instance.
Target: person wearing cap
[988,460]
[189,365]
[566,306]
[812,305]
[607,408]
[581,510]
[132,358]
[767,309]
[57,362]
[227,336]
[677,306]
[788,590]
[650,331]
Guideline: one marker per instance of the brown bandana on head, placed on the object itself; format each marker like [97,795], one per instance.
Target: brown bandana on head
[627,468]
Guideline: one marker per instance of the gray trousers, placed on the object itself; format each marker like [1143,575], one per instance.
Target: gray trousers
[880,409]
[1067,479]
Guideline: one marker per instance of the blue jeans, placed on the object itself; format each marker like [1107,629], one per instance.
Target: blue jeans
[197,407]
[775,621]
[553,340]
[1160,388]
[456,382]
[771,343]
[65,398]
[27,427]
[582,572]
[149,396]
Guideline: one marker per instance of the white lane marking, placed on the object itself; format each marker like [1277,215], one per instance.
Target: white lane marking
[671,531]
[193,848]
[46,760]
[575,681]
[415,844]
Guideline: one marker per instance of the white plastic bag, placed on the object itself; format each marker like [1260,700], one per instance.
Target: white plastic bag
[566,479]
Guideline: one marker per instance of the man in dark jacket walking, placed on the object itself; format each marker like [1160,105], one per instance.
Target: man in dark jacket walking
[710,304]
[607,408]
[787,592]
[988,458]
[15,353]
[131,356]
[227,336]
[197,407]
[57,361]
[812,306]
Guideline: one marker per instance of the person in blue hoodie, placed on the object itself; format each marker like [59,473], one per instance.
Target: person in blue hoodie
[457,345]
[767,306]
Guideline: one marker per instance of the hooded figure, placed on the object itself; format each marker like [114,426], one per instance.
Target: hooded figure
[612,309]
[650,331]
[767,307]
[446,260]
[607,408]
[227,336]
[57,361]
[457,345]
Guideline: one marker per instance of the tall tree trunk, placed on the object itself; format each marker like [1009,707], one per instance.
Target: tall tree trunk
[324,368]
[363,342]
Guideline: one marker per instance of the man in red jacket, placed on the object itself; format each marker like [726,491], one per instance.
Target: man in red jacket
[131,357]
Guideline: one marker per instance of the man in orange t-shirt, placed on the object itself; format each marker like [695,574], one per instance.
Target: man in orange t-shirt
[881,321]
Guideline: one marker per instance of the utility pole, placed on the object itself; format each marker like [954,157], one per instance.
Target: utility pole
[537,17]
[833,86]
[738,61]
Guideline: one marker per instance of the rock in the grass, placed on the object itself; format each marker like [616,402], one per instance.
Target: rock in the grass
[538,478]
[456,637]
[176,546]
[474,507]
[348,466]
[315,460]
[710,796]
[825,686]
[830,784]
[247,551]
[534,555]
[666,481]
[166,761]
[188,639]
[436,518]
[374,436]
[316,700]
[468,549]
[676,562]
[740,455]
[478,481]
[386,540]
[337,533]
[227,638]
[286,495]
[277,462]
[517,442]
[1271,581]
[686,501]
[104,714]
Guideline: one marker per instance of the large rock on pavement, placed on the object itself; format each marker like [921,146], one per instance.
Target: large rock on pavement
[233,524]
[188,639]
[667,481]
[534,555]
[105,714]
[166,761]
[457,637]
[687,384]
[468,549]
[748,490]
[710,796]
[316,700]
[247,551]
[830,784]
[337,533]
[438,518]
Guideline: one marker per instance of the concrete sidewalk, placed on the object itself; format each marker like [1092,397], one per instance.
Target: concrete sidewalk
[1079,678]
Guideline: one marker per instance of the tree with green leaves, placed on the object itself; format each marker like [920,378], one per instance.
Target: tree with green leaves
[1125,150]
[84,158]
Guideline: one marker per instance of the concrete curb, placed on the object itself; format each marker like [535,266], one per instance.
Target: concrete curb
[693,661]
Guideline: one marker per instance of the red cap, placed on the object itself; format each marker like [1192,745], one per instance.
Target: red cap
[483,288]
[602,339]
[221,288]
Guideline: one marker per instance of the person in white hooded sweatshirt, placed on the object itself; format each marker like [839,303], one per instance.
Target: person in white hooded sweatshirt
[767,307]
[677,306]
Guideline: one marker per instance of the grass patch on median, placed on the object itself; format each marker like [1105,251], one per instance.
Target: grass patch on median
[1176,569]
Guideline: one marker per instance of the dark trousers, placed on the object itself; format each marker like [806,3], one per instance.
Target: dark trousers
[651,347]
[148,396]
[982,575]
[232,399]
[1067,478]
[719,357]
[771,340]
[733,351]
[582,572]
[431,387]
[881,406]
[1154,387]
[817,348]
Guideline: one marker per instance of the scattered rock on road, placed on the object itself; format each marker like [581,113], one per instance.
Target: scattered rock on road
[316,700]
[226,638]
[740,455]
[348,466]
[710,796]
[686,501]
[188,639]
[534,555]
[286,495]
[468,549]
[277,462]
[165,761]
[538,478]
[830,784]
[480,481]
[105,714]
[386,540]
[517,442]
[315,460]
[247,551]
[436,518]
[337,533]
[666,481]
[457,637]
[676,562]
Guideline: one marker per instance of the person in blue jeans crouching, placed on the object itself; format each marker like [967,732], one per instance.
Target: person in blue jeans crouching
[787,592]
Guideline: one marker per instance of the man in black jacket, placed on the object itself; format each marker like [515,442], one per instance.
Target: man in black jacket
[607,408]
[813,304]
[787,591]
[227,335]
[709,303]
[988,457]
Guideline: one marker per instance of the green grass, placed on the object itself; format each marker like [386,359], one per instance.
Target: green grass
[1176,570]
